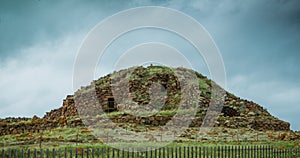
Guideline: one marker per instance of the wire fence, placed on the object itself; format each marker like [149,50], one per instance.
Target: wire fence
[166,152]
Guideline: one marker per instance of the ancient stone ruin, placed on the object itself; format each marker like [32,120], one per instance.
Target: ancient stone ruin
[105,94]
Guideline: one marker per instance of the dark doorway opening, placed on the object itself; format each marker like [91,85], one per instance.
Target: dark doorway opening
[111,104]
[229,111]
[163,87]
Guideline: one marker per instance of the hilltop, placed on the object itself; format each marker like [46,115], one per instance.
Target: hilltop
[236,112]
[138,108]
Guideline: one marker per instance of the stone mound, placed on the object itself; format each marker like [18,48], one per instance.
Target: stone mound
[236,112]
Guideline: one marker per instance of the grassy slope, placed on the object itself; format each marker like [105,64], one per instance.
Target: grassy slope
[67,137]
[81,137]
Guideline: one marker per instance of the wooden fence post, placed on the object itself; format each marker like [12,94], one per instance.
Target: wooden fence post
[64,153]
[77,137]
[34,153]
[199,152]
[232,151]
[41,153]
[107,152]
[188,151]
[207,153]
[76,152]
[9,153]
[28,153]
[41,139]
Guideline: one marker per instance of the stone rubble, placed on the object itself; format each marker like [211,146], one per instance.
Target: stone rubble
[140,84]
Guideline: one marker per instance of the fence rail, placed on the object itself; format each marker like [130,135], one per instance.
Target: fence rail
[166,152]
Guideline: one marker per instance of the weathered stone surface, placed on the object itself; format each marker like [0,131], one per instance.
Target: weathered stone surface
[229,111]
[130,90]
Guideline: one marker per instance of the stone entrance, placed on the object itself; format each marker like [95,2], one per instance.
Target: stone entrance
[110,104]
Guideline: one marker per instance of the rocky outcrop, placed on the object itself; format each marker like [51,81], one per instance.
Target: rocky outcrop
[108,94]
[35,125]
[68,109]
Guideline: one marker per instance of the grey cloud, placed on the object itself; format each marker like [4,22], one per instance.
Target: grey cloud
[34,83]
[258,39]
[24,23]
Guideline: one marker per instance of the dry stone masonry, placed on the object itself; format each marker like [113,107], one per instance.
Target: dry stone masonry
[126,91]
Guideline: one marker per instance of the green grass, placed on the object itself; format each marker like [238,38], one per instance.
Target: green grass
[144,113]
[144,145]
[106,149]
[66,137]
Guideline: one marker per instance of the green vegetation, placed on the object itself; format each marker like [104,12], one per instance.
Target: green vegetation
[63,137]
[141,79]
[147,113]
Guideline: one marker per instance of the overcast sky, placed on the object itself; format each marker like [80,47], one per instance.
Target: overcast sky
[258,40]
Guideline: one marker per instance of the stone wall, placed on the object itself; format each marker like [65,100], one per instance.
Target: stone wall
[68,109]
[89,100]
[35,125]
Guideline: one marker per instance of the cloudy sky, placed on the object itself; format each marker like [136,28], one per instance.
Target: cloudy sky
[258,40]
